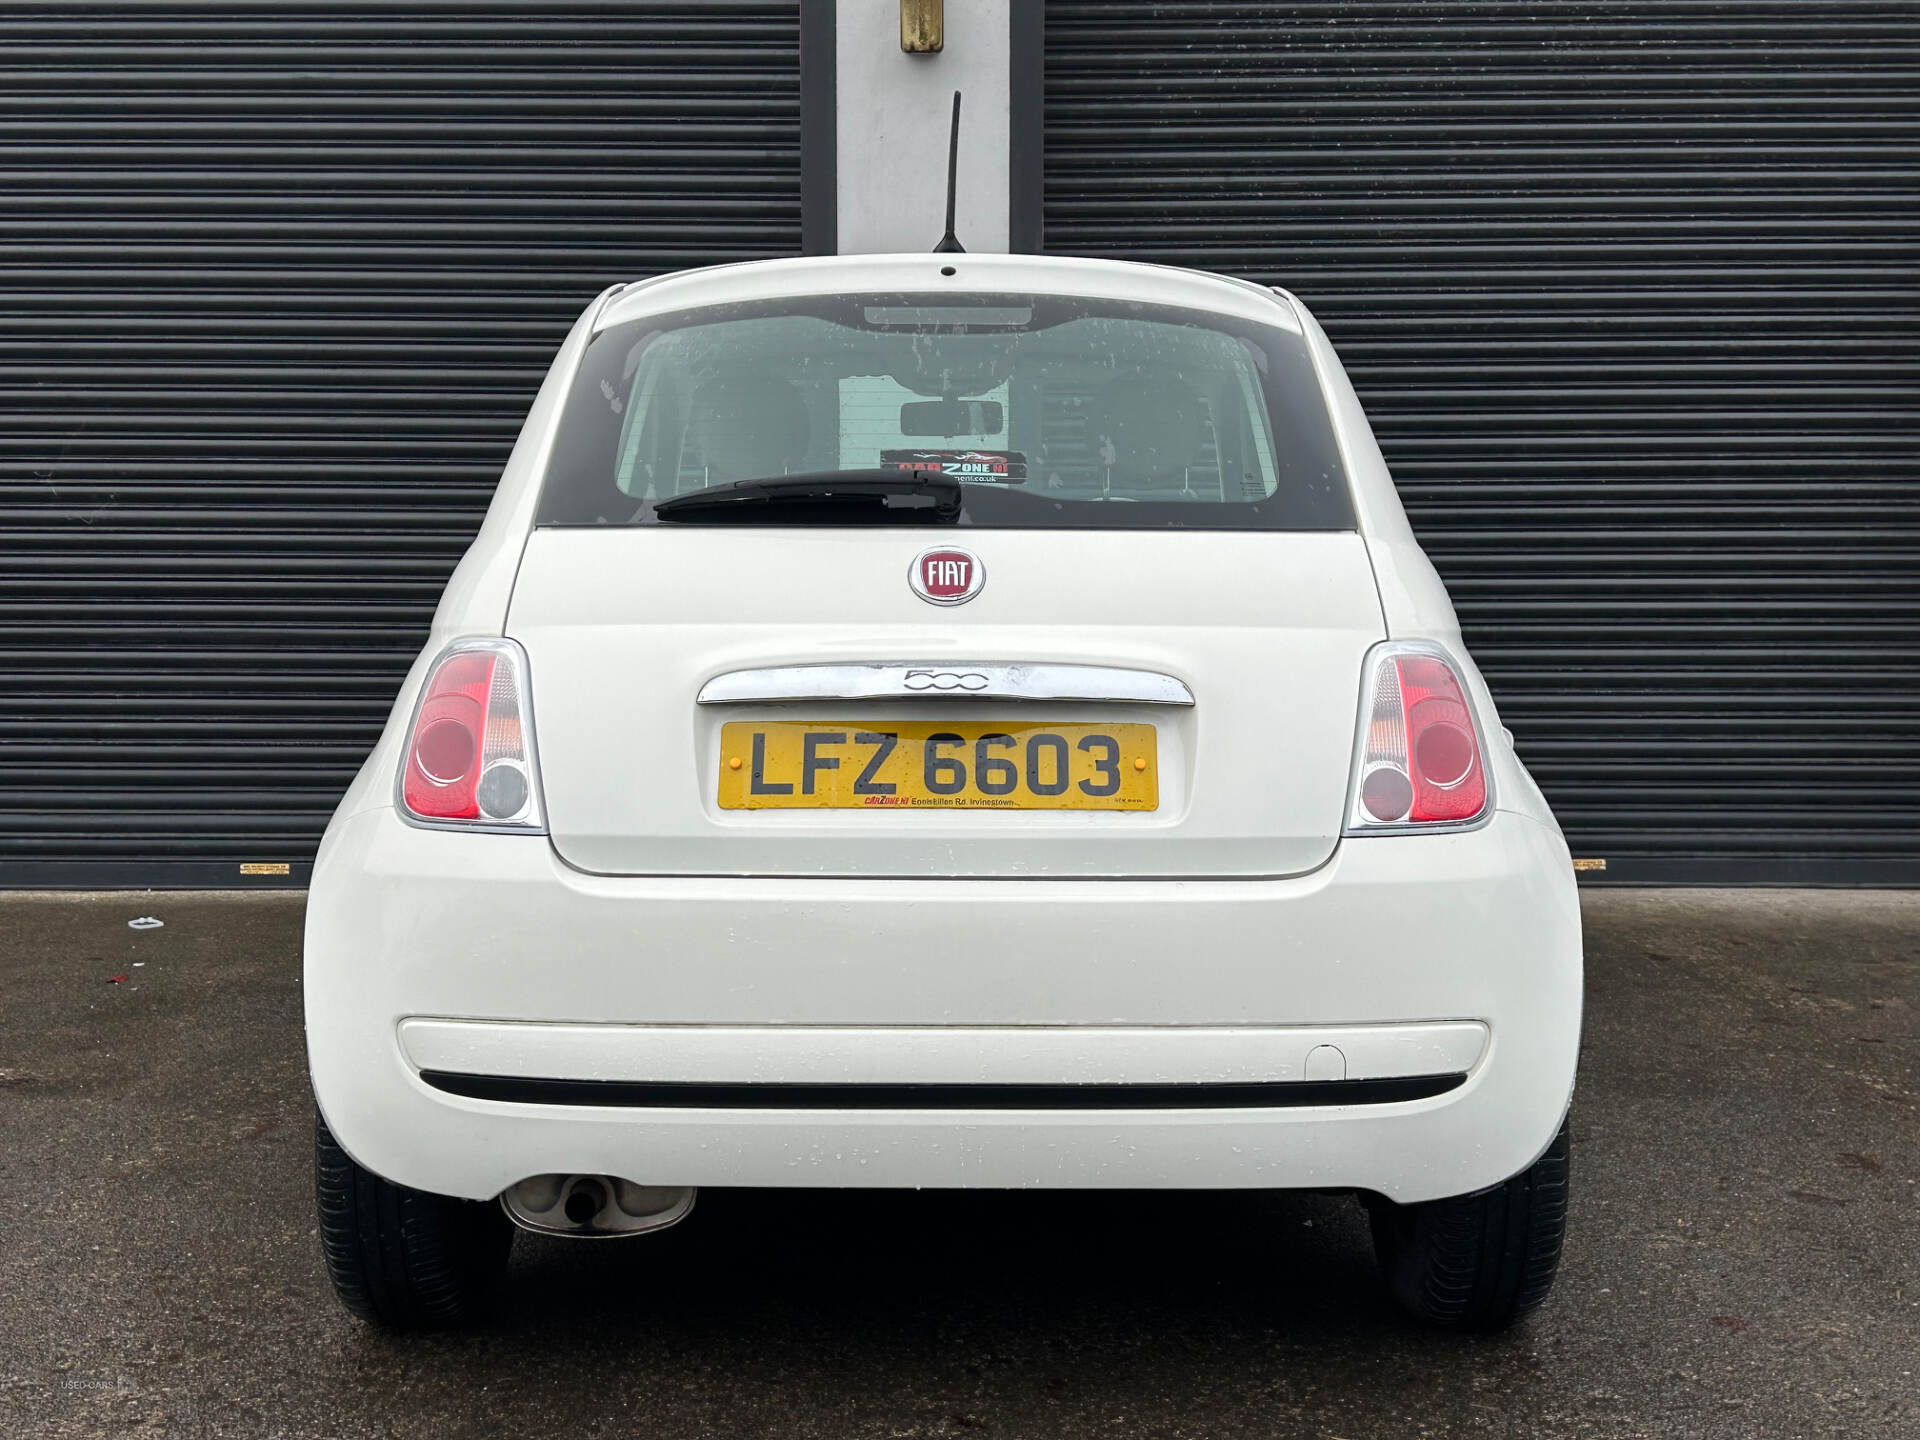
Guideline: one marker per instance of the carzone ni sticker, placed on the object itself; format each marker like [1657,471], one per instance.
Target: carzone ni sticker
[1005,466]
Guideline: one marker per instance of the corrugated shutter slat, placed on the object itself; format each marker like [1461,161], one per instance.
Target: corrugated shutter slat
[1632,292]
[279,281]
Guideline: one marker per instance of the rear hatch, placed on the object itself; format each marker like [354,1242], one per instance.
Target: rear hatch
[624,627]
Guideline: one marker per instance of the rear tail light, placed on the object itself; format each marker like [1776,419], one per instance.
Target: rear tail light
[1420,762]
[470,758]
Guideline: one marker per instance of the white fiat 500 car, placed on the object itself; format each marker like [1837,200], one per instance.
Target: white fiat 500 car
[941,720]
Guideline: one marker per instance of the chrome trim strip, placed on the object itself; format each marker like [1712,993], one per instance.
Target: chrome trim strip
[906,680]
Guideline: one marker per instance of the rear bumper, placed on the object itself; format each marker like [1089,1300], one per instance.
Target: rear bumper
[483,958]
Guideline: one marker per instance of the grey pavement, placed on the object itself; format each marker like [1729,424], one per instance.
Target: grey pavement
[1744,1257]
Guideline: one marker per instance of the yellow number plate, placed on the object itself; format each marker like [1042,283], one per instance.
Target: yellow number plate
[836,765]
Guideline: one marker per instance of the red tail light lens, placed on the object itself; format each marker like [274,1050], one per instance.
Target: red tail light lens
[469,751]
[1420,760]
[1449,782]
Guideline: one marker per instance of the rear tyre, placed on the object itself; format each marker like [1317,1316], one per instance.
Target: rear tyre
[1478,1262]
[403,1259]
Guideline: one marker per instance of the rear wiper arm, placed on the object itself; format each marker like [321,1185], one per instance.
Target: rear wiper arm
[828,485]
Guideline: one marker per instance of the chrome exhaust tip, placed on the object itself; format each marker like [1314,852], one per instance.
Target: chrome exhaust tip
[596,1206]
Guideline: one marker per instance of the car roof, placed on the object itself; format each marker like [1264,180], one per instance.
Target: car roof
[975,274]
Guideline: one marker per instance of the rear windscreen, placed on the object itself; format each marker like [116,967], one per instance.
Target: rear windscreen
[1051,411]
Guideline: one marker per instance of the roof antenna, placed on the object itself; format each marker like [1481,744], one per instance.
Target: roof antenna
[949,242]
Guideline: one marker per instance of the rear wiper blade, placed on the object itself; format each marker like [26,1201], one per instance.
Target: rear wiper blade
[827,485]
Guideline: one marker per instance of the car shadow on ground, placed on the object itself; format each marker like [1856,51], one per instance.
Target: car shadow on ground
[804,1312]
[868,1268]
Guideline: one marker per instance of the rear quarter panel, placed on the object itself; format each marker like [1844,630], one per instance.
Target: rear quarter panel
[475,600]
[1413,600]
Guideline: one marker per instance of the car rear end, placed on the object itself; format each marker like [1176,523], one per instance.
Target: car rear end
[1134,825]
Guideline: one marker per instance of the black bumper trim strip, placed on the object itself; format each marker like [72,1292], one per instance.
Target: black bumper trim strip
[684,1095]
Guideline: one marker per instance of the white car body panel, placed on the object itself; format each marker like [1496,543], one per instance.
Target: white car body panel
[939,959]
[1021,274]
[1269,630]
[408,924]
[941,1055]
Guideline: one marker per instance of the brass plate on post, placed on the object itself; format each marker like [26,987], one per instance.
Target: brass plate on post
[922,26]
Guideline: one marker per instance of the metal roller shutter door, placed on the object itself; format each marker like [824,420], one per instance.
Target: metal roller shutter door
[1632,292]
[278,282]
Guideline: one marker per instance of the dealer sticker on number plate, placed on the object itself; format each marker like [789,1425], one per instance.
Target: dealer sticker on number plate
[862,765]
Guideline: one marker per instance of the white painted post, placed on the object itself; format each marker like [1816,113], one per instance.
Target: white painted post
[891,118]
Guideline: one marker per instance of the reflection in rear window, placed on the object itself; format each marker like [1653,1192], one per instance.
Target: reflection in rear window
[1052,411]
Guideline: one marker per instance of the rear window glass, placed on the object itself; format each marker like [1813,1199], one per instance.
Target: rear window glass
[1053,412]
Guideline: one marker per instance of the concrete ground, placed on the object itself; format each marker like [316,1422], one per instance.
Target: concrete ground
[1744,1257]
